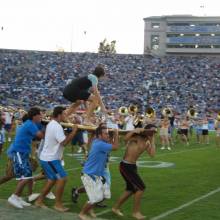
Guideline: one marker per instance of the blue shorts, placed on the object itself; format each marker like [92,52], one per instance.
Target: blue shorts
[78,138]
[198,131]
[53,169]
[21,165]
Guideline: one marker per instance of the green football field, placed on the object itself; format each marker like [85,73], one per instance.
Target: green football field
[183,183]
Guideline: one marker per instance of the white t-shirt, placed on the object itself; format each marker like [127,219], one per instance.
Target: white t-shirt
[8,118]
[52,150]
[129,120]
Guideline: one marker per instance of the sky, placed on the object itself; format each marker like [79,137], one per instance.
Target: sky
[79,25]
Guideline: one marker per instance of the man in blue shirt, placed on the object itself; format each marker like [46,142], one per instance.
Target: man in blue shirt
[94,168]
[20,151]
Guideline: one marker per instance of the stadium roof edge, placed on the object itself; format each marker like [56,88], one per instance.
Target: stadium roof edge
[179,16]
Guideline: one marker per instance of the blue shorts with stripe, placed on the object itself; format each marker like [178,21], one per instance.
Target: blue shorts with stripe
[21,165]
[53,169]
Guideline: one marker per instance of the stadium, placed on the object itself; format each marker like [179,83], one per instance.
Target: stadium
[160,110]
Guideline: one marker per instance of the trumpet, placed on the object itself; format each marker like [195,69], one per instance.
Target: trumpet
[167,112]
[123,110]
[150,112]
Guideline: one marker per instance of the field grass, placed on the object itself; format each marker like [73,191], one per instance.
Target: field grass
[178,188]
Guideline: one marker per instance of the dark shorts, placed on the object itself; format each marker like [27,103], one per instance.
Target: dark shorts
[78,139]
[184,131]
[131,177]
[7,127]
[205,132]
[76,95]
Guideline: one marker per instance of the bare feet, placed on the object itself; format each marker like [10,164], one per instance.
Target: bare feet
[92,213]
[83,217]
[138,216]
[61,208]
[40,205]
[117,212]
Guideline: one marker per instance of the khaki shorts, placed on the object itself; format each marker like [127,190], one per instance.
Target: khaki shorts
[164,132]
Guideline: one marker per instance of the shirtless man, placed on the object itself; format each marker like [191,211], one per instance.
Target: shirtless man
[139,141]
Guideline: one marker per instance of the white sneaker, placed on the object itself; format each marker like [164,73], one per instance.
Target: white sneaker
[33,197]
[15,201]
[168,148]
[23,203]
[79,151]
[162,148]
[9,139]
[62,163]
[50,195]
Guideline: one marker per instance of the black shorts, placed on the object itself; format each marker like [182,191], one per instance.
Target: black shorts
[76,95]
[205,131]
[184,131]
[131,177]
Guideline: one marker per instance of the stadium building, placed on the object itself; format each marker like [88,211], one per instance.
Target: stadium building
[181,34]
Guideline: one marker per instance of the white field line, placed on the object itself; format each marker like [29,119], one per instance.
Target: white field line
[103,212]
[169,212]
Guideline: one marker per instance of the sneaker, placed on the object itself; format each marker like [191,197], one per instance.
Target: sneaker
[75,195]
[79,151]
[50,195]
[33,197]
[62,163]
[9,139]
[168,148]
[162,148]
[15,201]
[23,203]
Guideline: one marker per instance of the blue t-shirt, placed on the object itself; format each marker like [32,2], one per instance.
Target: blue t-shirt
[24,136]
[97,158]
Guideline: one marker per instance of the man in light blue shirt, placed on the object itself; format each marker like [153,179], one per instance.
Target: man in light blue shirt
[94,168]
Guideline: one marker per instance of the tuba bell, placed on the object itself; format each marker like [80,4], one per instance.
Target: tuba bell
[191,113]
[150,112]
[167,112]
[133,109]
[123,110]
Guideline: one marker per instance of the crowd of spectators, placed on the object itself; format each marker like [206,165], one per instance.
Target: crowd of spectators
[29,78]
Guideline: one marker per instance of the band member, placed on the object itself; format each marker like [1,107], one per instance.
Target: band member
[94,169]
[139,141]
[198,126]
[205,130]
[2,136]
[184,128]
[217,128]
[85,89]
[20,151]
[50,158]
[164,136]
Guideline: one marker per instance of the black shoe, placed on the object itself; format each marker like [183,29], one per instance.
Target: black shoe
[101,205]
[75,195]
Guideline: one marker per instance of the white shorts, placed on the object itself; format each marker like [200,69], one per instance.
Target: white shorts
[95,189]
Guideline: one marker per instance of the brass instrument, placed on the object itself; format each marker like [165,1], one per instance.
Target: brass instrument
[138,121]
[150,112]
[167,112]
[191,113]
[97,109]
[218,116]
[123,110]
[133,109]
